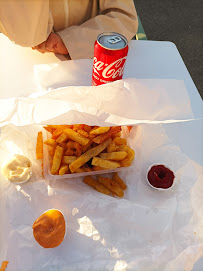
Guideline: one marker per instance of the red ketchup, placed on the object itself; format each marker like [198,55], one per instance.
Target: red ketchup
[160,176]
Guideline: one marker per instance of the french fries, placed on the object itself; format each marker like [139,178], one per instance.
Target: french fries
[63,169]
[119,141]
[123,148]
[114,130]
[57,132]
[50,142]
[128,160]
[62,138]
[116,156]
[112,186]
[82,132]
[49,129]
[57,160]
[87,168]
[69,159]
[85,157]
[51,151]
[96,185]
[112,147]
[97,168]
[80,170]
[119,181]
[96,161]
[83,148]
[99,130]
[4,265]
[39,147]
[116,185]
[76,137]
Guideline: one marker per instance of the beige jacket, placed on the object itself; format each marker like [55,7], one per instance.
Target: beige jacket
[78,22]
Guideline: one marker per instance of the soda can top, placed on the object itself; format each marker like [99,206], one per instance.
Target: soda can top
[112,41]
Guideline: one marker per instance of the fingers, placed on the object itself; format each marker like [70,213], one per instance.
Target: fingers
[41,47]
[53,44]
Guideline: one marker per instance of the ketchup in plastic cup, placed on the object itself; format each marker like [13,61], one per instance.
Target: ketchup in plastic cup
[160,177]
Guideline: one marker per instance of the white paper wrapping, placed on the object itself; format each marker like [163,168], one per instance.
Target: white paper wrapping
[128,101]
[147,229]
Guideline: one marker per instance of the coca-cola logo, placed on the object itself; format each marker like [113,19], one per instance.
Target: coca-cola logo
[112,70]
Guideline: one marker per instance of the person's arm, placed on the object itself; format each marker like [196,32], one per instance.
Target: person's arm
[115,16]
[26,23]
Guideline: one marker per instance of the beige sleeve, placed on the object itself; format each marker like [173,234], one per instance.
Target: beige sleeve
[26,23]
[115,16]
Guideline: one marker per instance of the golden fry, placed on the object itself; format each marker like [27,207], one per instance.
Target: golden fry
[63,145]
[116,156]
[80,170]
[112,186]
[68,159]
[117,135]
[96,185]
[85,157]
[112,147]
[57,160]
[101,138]
[87,128]
[57,133]
[96,161]
[62,138]
[99,130]
[92,136]
[78,149]
[125,163]
[63,169]
[70,144]
[120,141]
[59,130]
[128,160]
[49,129]
[50,142]
[76,137]
[123,148]
[119,181]
[87,168]
[76,127]
[39,147]
[82,132]
[51,151]
[69,152]
[87,147]
[4,265]
[131,154]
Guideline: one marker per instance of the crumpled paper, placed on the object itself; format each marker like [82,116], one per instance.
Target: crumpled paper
[147,229]
[129,101]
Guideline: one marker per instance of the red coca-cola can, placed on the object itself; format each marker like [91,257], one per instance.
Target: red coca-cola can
[110,53]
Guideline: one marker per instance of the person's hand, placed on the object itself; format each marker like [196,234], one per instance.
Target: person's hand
[53,44]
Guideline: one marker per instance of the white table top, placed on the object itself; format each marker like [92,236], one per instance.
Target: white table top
[146,59]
